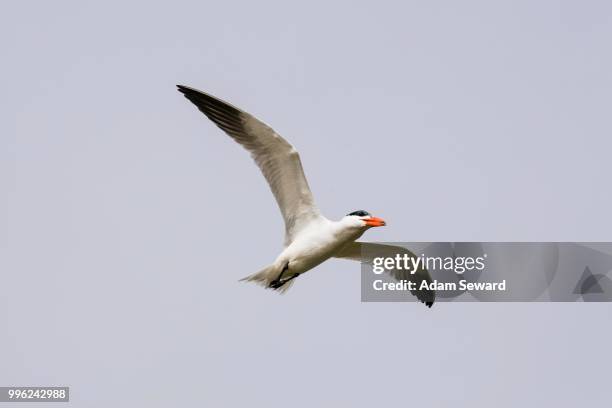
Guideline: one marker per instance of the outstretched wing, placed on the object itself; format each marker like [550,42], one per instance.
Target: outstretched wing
[277,159]
[367,251]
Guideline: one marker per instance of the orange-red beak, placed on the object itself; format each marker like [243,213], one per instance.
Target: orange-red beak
[375,222]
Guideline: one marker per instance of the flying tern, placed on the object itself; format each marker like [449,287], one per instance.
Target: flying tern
[310,238]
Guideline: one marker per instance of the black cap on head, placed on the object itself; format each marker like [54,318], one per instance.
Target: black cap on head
[359,213]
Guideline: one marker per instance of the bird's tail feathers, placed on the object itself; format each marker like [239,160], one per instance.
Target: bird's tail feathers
[266,277]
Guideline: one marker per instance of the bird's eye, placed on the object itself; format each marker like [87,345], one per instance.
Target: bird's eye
[360,213]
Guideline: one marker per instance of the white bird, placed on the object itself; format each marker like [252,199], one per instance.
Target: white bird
[310,238]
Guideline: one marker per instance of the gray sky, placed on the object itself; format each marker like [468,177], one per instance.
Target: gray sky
[126,218]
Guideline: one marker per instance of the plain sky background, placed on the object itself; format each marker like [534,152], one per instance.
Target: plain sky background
[126,217]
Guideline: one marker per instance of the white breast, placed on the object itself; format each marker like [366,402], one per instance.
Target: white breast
[317,243]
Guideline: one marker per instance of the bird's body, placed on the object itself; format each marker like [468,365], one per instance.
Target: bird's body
[316,243]
[310,238]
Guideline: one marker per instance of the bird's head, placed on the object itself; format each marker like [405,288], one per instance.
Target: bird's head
[364,219]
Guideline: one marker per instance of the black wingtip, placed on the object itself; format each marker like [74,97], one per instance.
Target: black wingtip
[183,88]
[429,304]
[186,90]
[201,99]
